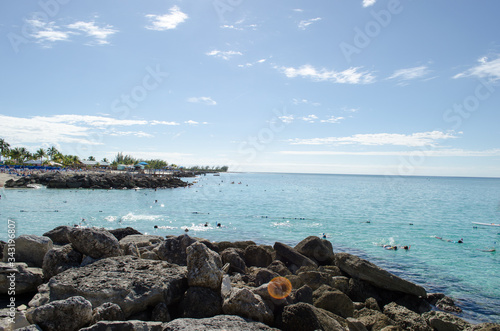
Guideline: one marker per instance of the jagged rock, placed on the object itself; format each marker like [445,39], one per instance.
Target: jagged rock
[372,304]
[447,304]
[290,255]
[315,279]
[59,235]
[160,313]
[367,271]
[243,302]
[406,318]
[486,327]
[279,267]
[334,301]
[140,240]
[319,250]
[304,294]
[64,315]
[59,259]
[305,317]
[257,256]
[201,302]
[233,257]
[264,276]
[373,319]
[223,245]
[295,280]
[173,250]
[355,325]
[107,312]
[440,321]
[131,283]
[217,323]
[125,326]
[124,232]
[12,319]
[204,267]
[30,249]
[341,283]
[26,279]
[96,243]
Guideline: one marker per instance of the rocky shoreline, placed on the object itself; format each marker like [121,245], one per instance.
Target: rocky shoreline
[96,181]
[94,279]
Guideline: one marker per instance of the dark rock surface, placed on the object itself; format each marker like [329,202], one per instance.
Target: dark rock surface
[96,243]
[217,323]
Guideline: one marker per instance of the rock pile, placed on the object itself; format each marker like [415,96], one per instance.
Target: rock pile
[89,279]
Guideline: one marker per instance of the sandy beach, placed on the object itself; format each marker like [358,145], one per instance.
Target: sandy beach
[4,178]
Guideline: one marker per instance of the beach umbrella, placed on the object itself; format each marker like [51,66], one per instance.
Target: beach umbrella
[142,163]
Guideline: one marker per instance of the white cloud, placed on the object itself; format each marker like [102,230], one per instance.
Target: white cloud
[332,119]
[309,118]
[305,101]
[305,23]
[378,139]
[205,100]
[485,69]
[250,64]
[191,122]
[298,10]
[100,34]
[410,73]
[96,121]
[287,119]
[368,3]
[163,123]
[226,55]
[167,21]
[348,76]
[434,153]
[139,134]
[47,32]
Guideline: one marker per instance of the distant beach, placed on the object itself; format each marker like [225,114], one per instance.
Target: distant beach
[4,178]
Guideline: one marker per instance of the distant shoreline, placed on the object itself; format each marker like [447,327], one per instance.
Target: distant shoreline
[4,178]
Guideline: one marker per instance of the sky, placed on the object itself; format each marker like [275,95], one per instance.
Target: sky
[397,87]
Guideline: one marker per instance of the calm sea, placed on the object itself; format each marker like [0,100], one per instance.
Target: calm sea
[359,214]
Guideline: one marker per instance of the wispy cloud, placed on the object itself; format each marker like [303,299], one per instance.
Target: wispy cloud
[309,118]
[238,25]
[163,123]
[305,101]
[378,139]
[191,122]
[287,119]
[100,34]
[485,69]
[348,76]
[226,55]
[410,73]
[47,32]
[435,153]
[204,100]
[368,3]
[332,119]
[167,21]
[251,64]
[305,23]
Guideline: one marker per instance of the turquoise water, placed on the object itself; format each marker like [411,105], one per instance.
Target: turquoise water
[289,207]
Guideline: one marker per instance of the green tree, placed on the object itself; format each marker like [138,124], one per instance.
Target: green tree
[4,148]
[52,152]
[40,154]
[91,158]
[105,160]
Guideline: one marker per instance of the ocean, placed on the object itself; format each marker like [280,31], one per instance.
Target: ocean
[358,214]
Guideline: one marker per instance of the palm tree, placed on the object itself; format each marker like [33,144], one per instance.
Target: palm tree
[18,154]
[4,148]
[40,154]
[52,152]
[105,160]
[91,158]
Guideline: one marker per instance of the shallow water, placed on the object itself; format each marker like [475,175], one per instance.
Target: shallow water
[359,214]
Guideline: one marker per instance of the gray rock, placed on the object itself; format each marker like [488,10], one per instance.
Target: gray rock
[223,245]
[367,271]
[64,315]
[304,294]
[96,243]
[107,312]
[441,321]
[406,318]
[305,317]
[12,320]
[290,255]
[217,323]
[341,283]
[131,283]
[30,249]
[244,303]
[315,279]
[486,327]
[160,313]
[201,302]
[173,250]
[279,267]
[59,259]
[204,267]
[334,301]
[355,325]
[264,276]
[257,256]
[125,326]
[373,319]
[26,279]
[123,232]
[59,235]
[319,250]
[32,327]
[232,256]
[372,304]
[140,240]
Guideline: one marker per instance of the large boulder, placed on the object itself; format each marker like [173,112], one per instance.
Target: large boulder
[315,279]
[125,326]
[123,232]
[19,277]
[373,319]
[244,303]
[63,315]
[96,243]
[236,263]
[59,259]
[204,267]
[173,250]
[305,317]
[334,301]
[29,249]
[107,312]
[319,250]
[279,267]
[290,256]
[369,272]
[140,240]
[257,256]
[133,284]
[217,323]
[201,302]
[59,235]
[406,318]
[441,321]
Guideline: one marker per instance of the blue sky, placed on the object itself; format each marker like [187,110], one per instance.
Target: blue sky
[365,87]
